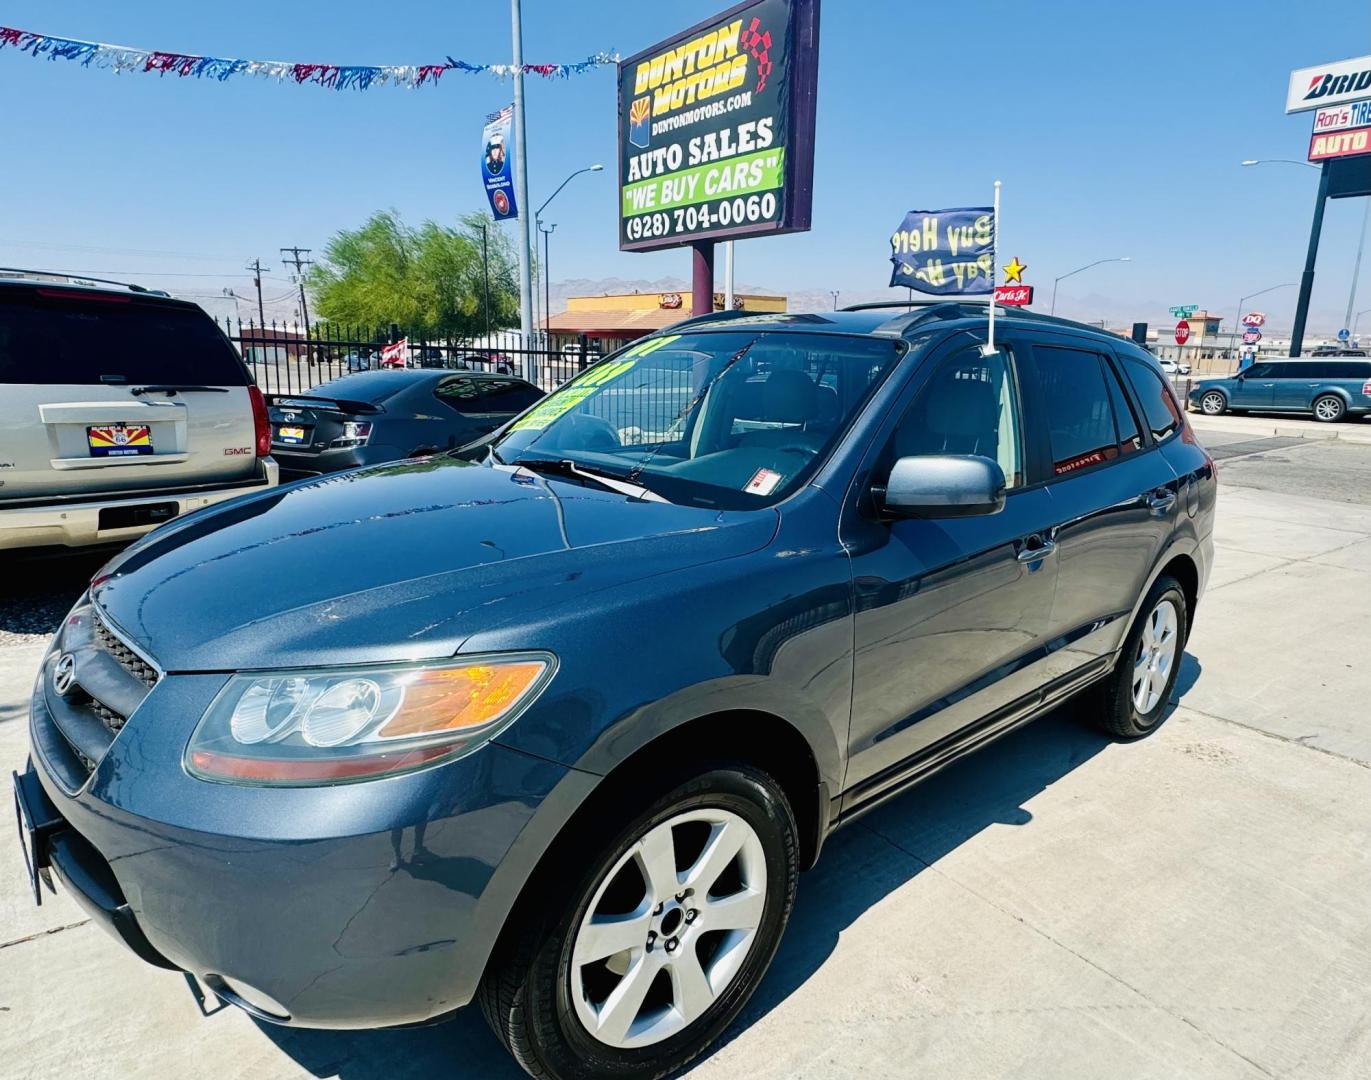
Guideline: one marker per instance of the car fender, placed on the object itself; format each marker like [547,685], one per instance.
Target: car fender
[1334,389]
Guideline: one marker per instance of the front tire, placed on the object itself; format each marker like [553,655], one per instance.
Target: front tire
[1329,408]
[1135,695]
[660,937]
[1213,403]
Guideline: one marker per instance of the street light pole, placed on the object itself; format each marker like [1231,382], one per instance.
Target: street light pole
[1307,279]
[1356,318]
[547,279]
[834,293]
[1356,266]
[1073,273]
[521,193]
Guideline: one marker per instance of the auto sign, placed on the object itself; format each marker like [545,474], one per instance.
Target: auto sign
[716,128]
[1254,319]
[1182,332]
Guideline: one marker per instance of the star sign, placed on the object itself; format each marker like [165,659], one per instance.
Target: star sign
[1014,271]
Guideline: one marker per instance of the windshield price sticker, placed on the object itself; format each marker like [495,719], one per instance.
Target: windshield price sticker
[562,401]
[763,482]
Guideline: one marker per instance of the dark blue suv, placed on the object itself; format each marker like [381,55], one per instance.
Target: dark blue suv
[562,738]
[1331,389]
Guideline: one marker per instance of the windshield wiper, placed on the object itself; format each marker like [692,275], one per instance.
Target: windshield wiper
[608,481]
[176,388]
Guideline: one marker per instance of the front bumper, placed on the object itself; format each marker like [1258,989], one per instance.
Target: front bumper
[361,905]
[58,523]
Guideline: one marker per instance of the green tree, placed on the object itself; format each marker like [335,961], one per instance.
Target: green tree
[427,279]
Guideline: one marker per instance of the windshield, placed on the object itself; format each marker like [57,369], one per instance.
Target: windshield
[735,420]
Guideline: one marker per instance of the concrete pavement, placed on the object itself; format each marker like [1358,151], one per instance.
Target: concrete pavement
[1194,904]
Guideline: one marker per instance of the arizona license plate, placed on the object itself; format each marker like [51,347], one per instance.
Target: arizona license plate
[119,440]
[290,434]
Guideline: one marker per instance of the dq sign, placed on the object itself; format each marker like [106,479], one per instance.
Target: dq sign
[1254,319]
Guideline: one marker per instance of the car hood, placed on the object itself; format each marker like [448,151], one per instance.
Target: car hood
[396,562]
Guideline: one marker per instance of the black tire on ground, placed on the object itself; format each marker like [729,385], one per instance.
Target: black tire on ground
[526,992]
[1112,708]
[1329,408]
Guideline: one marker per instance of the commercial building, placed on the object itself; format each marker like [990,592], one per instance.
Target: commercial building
[604,323]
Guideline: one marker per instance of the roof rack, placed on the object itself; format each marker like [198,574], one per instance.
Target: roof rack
[713,316]
[875,305]
[79,279]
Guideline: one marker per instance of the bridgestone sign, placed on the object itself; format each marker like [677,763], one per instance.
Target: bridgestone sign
[1329,84]
[716,128]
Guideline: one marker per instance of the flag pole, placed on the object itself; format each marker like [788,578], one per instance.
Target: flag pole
[994,254]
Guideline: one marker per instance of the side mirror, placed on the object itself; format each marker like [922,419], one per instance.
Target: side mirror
[942,485]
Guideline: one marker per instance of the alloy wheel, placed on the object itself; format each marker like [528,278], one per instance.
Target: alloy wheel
[668,928]
[1155,656]
[1212,404]
[1328,408]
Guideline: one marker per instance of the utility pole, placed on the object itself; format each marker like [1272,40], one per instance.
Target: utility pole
[299,263]
[521,194]
[1310,259]
[257,268]
[547,231]
[485,275]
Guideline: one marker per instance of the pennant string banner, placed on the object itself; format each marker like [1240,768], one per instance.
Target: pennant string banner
[119,59]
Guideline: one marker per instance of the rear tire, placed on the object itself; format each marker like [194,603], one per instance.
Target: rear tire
[1213,403]
[684,962]
[1329,409]
[1134,697]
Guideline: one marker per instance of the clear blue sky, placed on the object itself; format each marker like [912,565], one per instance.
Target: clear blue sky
[1116,128]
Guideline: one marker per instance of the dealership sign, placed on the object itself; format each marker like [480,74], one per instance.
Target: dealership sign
[716,128]
[1336,144]
[1329,84]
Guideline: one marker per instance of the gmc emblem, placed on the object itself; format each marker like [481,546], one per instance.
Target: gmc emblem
[233,451]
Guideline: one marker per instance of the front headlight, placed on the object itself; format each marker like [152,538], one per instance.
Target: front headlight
[335,725]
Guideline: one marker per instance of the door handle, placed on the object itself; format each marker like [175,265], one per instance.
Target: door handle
[1160,500]
[1035,548]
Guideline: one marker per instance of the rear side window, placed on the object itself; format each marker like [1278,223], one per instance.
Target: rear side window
[1080,415]
[461,395]
[1287,371]
[508,395]
[56,340]
[1159,406]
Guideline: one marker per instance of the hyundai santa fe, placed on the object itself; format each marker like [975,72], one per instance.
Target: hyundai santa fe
[563,740]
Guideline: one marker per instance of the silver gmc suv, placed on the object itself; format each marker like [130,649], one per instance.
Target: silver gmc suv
[120,409]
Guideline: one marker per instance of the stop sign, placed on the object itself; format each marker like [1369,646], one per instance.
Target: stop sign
[1182,332]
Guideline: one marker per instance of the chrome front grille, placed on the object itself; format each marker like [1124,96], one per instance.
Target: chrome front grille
[105,680]
[129,660]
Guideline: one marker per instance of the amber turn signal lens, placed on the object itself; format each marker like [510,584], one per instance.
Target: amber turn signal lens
[458,698]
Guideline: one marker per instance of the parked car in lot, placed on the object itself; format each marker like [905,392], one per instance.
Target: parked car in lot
[120,409]
[1175,367]
[482,360]
[385,415]
[360,360]
[1331,389]
[563,735]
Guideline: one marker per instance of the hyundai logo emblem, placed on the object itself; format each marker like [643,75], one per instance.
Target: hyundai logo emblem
[64,674]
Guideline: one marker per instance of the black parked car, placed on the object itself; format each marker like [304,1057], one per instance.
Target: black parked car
[565,744]
[376,416]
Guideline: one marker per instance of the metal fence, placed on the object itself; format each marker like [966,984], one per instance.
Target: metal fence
[289,358]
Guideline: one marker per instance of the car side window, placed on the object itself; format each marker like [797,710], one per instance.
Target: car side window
[1080,410]
[1283,371]
[970,405]
[1130,437]
[1258,371]
[461,395]
[508,395]
[1159,405]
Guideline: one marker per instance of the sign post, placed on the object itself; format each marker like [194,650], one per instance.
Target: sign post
[716,134]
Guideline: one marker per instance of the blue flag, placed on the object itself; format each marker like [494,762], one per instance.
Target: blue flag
[945,251]
[497,164]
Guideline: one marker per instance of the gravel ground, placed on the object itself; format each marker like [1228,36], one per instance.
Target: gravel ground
[36,592]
